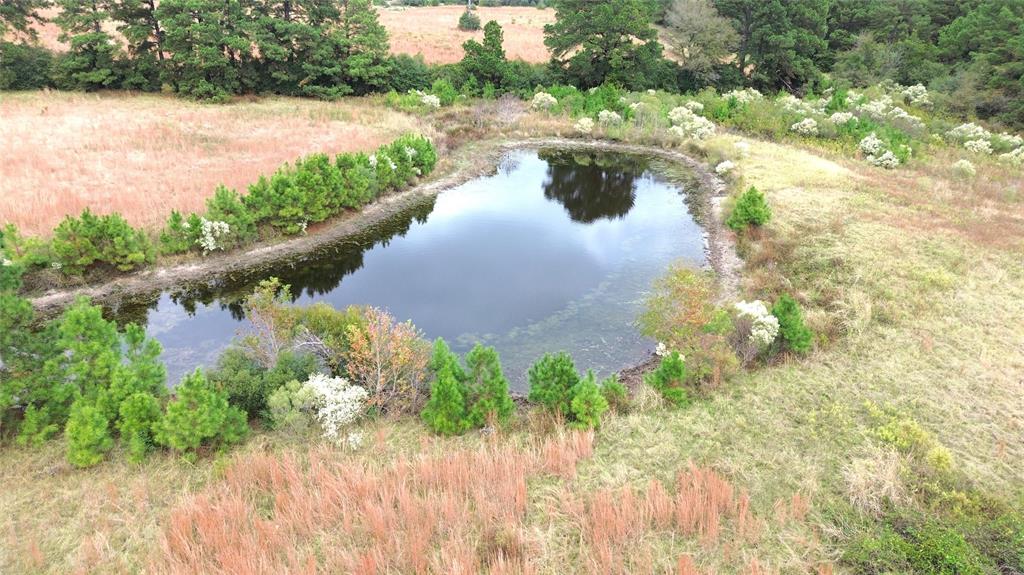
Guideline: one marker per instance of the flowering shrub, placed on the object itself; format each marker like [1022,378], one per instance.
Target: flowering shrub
[806,127]
[969,131]
[978,146]
[744,96]
[743,148]
[900,114]
[1016,157]
[876,108]
[209,234]
[871,145]
[694,106]
[430,101]
[1007,141]
[916,95]
[543,101]
[688,125]
[609,118]
[841,118]
[724,167]
[764,327]
[338,403]
[964,169]
[584,125]
[887,160]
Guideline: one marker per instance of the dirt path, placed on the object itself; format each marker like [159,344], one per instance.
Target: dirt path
[463,166]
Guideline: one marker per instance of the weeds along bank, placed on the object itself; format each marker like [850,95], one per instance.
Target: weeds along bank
[887,447]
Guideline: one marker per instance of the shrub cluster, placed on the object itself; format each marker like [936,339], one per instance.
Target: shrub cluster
[90,240]
[467,397]
[310,191]
[558,388]
[81,376]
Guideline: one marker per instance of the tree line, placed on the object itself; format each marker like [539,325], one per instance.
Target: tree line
[970,50]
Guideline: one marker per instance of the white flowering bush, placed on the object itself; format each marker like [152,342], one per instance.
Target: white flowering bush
[743,148]
[724,167]
[841,118]
[916,95]
[805,127]
[694,106]
[584,125]
[764,327]
[688,125]
[978,146]
[886,159]
[964,169]
[338,403]
[744,96]
[211,231]
[661,350]
[430,101]
[969,131]
[900,114]
[876,108]
[543,101]
[871,145]
[355,440]
[609,118]
[1015,157]
[1007,141]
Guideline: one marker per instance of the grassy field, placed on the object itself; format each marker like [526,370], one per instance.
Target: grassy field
[433,32]
[913,280]
[143,156]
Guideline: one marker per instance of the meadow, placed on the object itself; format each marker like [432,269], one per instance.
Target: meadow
[909,278]
[142,156]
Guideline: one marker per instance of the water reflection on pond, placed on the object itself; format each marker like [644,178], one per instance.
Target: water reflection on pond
[553,252]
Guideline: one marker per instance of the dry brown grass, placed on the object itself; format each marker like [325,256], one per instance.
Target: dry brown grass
[143,156]
[433,32]
[461,512]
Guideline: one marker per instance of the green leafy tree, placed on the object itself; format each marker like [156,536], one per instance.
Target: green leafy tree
[137,415]
[782,44]
[205,42]
[551,381]
[445,412]
[199,414]
[751,209]
[587,405]
[88,435]
[489,399]
[669,379]
[792,328]
[486,62]
[598,41]
[20,16]
[90,61]
[700,36]
[137,23]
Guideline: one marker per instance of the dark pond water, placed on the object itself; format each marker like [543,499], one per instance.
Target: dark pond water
[555,251]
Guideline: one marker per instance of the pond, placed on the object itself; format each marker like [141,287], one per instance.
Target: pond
[553,252]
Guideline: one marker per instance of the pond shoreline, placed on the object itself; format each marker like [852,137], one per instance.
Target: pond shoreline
[467,163]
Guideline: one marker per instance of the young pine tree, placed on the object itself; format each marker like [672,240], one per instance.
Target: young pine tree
[88,435]
[199,414]
[445,412]
[751,209]
[669,379]
[489,399]
[792,328]
[137,416]
[551,381]
[587,404]
[90,61]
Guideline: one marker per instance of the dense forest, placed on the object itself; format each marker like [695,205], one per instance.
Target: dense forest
[971,51]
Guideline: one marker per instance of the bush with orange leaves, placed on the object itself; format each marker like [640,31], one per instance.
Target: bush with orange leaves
[389,359]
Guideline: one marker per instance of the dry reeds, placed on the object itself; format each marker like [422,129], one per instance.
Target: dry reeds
[461,512]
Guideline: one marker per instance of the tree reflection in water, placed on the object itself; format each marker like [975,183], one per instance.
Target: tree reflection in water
[592,185]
